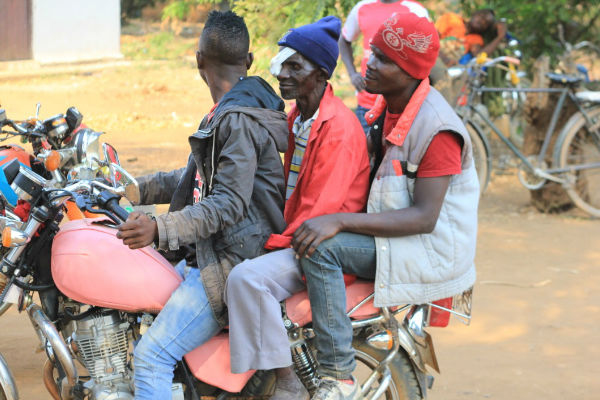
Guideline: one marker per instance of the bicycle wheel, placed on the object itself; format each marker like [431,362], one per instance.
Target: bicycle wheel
[481,155]
[579,145]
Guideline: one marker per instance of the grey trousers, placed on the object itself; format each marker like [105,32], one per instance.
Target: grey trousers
[257,337]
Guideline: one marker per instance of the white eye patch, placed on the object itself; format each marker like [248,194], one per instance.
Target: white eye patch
[279,59]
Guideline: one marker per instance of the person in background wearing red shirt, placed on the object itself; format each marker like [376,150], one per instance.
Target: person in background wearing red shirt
[327,171]
[364,19]
[417,239]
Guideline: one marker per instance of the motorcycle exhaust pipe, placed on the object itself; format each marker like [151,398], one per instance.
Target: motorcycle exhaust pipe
[49,380]
[59,349]
[4,307]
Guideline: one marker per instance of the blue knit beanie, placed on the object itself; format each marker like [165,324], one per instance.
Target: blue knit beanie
[317,41]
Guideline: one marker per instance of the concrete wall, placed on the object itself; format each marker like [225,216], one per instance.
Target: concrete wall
[75,30]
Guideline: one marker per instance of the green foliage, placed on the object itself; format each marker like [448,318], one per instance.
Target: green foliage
[267,20]
[178,9]
[133,8]
[536,23]
[158,46]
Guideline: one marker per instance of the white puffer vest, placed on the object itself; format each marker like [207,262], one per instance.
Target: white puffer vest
[422,268]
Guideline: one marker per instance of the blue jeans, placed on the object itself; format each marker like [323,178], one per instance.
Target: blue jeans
[344,253]
[186,322]
[360,113]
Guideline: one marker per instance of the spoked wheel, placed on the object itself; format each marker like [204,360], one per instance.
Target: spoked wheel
[578,150]
[403,385]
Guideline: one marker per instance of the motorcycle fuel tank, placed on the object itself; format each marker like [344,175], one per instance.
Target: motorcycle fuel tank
[92,266]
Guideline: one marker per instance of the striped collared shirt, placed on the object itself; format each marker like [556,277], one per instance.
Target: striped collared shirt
[301,131]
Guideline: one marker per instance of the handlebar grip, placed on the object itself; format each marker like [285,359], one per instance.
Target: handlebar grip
[113,206]
[110,202]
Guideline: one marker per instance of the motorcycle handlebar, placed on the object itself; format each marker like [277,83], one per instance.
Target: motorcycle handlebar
[110,201]
[113,205]
[18,129]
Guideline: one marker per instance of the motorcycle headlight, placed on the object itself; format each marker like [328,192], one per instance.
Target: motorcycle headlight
[87,145]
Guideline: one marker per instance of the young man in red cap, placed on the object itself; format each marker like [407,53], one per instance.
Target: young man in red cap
[327,171]
[417,239]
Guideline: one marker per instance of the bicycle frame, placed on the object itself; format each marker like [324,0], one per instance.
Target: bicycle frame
[547,173]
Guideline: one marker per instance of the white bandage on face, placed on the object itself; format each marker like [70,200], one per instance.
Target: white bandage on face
[279,59]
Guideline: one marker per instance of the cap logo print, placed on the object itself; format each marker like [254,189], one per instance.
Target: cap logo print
[416,41]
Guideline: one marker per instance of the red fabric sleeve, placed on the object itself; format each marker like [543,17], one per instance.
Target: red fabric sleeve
[334,176]
[443,156]
[338,182]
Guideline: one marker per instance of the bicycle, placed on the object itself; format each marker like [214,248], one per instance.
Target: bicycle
[576,153]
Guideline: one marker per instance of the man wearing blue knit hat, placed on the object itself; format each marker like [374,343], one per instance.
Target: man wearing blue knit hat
[327,171]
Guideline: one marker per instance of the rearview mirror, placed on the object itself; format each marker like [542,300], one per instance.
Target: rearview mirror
[120,176]
[110,154]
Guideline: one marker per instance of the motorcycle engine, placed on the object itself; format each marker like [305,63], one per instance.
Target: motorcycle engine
[101,344]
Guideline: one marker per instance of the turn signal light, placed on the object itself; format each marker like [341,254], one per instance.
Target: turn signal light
[12,237]
[6,237]
[383,340]
[52,161]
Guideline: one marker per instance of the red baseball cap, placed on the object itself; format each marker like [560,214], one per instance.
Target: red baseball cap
[410,41]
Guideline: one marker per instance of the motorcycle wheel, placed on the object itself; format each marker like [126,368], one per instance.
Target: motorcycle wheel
[404,384]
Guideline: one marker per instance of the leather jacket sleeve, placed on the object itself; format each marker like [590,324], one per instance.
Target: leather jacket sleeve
[158,188]
[235,162]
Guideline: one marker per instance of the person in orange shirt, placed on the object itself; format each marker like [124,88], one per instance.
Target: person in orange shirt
[458,37]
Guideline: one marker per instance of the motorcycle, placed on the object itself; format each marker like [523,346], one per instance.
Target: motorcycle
[93,311]
[64,149]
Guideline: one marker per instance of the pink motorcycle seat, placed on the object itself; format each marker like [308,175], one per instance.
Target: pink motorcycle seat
[298,306]
[211,364]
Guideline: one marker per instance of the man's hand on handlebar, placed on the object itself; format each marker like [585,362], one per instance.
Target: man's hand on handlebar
[138,231]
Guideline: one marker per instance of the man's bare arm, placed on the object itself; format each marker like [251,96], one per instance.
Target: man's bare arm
[348,60]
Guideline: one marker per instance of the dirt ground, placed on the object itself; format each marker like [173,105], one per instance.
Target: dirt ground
[535,330]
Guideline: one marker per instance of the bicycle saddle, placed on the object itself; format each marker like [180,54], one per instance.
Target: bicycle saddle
[564,79]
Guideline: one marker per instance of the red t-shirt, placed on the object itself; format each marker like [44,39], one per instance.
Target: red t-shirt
[443,156]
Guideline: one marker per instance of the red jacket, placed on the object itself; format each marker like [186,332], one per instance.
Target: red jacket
[334,175]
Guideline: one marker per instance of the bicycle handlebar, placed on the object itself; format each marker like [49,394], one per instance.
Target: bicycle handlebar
[586,43]
[494,61]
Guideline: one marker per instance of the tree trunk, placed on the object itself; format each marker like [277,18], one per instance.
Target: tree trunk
[538,110]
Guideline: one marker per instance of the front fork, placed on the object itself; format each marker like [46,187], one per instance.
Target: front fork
[410,336]
[8,387]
